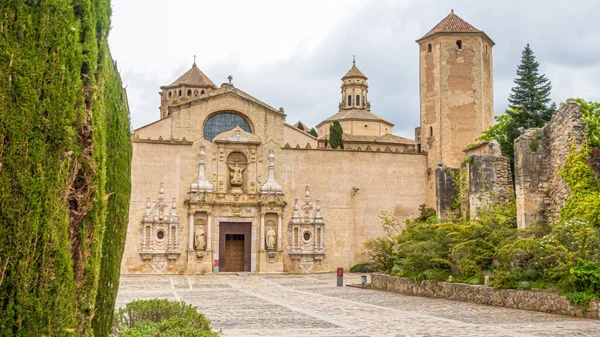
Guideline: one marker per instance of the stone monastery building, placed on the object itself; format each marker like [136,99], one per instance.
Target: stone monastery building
[221,183]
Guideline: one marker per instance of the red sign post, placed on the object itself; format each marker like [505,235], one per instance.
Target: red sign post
[340,277]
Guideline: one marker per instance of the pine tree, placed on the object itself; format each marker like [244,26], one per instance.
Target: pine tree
[528,106]
[300,126]
[335,135]
[531,95]
[314,132]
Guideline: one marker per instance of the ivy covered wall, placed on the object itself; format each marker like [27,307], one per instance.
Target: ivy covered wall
[65,158]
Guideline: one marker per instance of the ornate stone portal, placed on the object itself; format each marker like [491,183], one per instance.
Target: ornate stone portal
[159,233]
[306,235]
[237,207]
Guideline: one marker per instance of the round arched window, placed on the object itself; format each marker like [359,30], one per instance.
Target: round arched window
[222,122]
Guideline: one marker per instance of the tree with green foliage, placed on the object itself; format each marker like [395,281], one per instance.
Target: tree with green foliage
[300,126]
[336,134]
[590,113]
[531,95]
[528,105]
[141,318]
[313,132]
[65,155]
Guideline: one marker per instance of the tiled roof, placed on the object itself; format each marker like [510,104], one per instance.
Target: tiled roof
[194,77]
[356,114]
[387,138]
[452,24]
[354,72]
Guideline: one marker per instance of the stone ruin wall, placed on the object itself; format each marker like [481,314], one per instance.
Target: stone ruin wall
[488,179]
[539,156]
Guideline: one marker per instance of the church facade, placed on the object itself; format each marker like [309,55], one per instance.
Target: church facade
[221,183]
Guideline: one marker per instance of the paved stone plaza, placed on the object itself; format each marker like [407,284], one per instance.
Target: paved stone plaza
[312,305]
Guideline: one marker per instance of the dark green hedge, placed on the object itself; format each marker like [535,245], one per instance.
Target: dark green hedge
[65,157]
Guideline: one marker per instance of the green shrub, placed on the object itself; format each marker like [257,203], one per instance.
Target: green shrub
[582,298]
[161,318]
[365,268]
[174,327]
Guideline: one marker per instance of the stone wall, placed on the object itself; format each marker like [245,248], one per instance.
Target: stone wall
[488,180]
[445,190]
[539,156]
[352,192]
[508,298]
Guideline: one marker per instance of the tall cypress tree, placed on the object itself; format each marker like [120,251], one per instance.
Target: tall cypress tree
[531,95]
[65,154]
[336,133]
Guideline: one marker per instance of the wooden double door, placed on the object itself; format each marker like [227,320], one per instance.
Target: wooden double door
[234,246]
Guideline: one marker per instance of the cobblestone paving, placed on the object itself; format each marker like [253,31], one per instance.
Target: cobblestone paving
[312,305]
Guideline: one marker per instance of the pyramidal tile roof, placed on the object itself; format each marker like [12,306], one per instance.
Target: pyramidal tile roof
[354,72]
[194,77]
[452,23]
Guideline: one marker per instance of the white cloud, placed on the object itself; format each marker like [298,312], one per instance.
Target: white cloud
[293,54]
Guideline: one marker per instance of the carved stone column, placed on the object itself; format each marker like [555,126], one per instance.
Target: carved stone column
[209,232]
[279,230]
[262,231]
[191,233]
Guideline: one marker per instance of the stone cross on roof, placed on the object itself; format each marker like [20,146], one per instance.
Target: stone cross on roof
[229,78]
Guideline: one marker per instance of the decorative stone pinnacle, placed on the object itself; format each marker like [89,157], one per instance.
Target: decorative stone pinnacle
[202,154]
[271,158]
[307,195]
[174,204]
[202,184]
[161,191]
[271,185]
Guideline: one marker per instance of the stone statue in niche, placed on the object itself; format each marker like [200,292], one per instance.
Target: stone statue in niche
[271,238]
[200,239]
[236,175]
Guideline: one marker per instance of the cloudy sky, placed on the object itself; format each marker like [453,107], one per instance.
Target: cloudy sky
[292,54]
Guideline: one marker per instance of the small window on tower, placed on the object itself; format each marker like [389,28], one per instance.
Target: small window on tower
[458,44]
[431,131]
[429,48]
[179,92]
[358,100]
[349,100]
[169,94]
[189,93]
